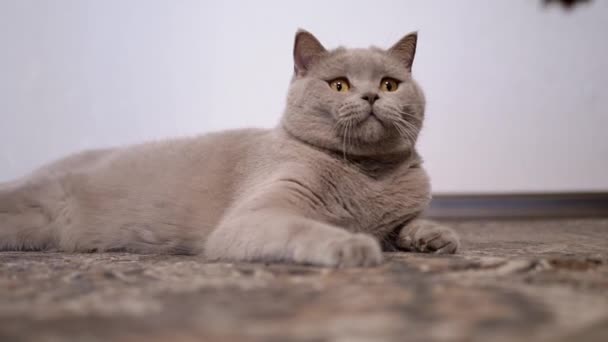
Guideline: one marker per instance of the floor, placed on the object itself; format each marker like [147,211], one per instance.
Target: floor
[537,280]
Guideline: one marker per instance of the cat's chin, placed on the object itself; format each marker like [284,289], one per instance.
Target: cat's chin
[373,138]
[371,130]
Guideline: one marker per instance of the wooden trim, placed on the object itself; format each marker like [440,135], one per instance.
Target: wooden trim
[463,206]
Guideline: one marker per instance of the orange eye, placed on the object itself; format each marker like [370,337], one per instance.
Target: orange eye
[389,84]
[340,84]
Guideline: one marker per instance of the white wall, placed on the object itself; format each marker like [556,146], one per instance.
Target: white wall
[516,92]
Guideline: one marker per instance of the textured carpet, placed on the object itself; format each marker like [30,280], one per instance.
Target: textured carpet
[513,280]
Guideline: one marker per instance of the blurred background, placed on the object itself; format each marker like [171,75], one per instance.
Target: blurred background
[515,89]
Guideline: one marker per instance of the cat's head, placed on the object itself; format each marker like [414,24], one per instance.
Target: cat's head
[361,101]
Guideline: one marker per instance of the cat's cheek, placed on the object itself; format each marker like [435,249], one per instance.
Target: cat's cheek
[350,110]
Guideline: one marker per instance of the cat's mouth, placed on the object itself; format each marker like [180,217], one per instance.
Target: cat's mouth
[373,116]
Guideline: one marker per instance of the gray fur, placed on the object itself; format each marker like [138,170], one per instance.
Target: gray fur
[325,187]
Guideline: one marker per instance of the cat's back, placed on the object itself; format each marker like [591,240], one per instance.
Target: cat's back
[197,174]
[207,161]
[172,157]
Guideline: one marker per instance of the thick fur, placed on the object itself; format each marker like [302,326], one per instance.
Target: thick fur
[336,178]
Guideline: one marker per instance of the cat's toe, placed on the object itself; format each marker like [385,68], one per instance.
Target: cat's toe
[429,237]
[359,250]
[440,240]
[450,248]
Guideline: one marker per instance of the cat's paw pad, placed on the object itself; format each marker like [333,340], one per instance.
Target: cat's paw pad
[428,237]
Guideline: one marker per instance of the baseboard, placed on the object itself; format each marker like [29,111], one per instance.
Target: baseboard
[554,205]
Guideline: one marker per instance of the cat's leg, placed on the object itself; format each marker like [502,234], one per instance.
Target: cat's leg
[34,210]
[420,235]
[26,214]
[277,235]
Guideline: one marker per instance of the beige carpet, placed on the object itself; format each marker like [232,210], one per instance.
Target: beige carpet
[513,280]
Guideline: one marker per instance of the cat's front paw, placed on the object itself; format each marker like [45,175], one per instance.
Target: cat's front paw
[428,237]
[355,250]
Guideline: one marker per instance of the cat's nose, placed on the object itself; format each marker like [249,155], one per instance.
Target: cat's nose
[370,97]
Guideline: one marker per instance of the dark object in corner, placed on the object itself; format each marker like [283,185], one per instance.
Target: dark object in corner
[567,4]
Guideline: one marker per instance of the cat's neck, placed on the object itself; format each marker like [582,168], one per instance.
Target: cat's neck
[371,161]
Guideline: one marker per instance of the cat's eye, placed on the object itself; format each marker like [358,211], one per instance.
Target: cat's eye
[389,84]
[340,84]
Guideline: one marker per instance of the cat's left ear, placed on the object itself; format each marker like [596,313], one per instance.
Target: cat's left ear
[306,50]
[405,49]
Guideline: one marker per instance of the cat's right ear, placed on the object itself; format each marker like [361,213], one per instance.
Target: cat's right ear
[306,50]
[405,49]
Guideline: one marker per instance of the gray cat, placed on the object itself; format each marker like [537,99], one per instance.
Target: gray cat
[336,180]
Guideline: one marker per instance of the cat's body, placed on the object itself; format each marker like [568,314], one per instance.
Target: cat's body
[301,192]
